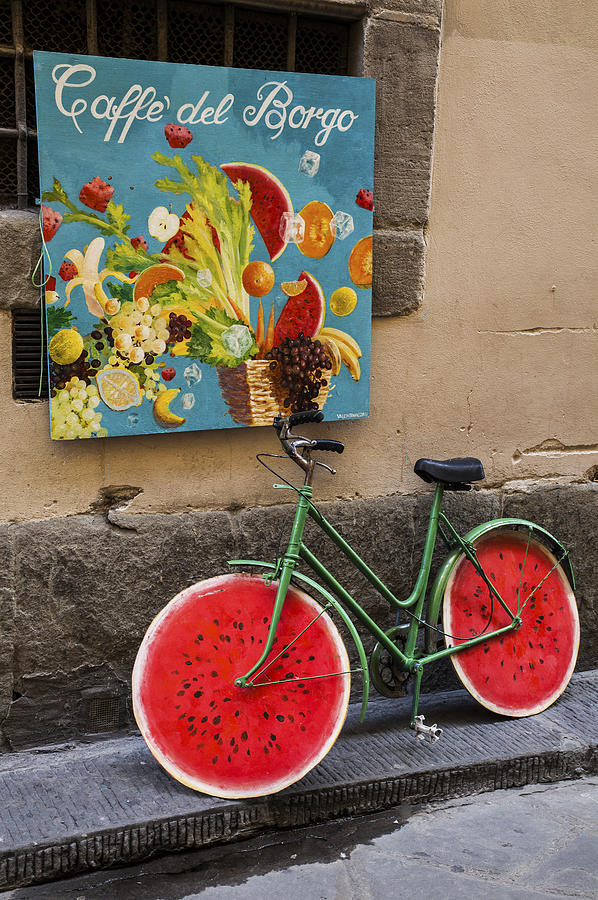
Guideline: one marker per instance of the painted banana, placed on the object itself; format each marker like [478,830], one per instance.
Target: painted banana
[333,351]
[341,337]
[350,360]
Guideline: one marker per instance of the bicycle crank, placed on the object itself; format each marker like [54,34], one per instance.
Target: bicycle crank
[388,677]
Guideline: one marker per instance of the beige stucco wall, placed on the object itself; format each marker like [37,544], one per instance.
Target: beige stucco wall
[500,359]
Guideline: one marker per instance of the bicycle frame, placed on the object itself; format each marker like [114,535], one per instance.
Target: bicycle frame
[411,660]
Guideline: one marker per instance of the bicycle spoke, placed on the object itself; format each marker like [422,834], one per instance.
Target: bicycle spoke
[285,648]
[305,678]
[529,537]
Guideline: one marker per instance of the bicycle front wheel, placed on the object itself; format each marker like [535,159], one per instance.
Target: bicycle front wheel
[232,741]
[523,671]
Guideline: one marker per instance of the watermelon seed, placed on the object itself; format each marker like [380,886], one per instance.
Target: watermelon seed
[502,640]
[249,753]
[200,637]
[216,736]
[182,716]
[244,736]
[306,692]
[237,714]
[221,637]
[285,656]
[180,693]
[277,746]
[486,649]
[487,679]
[520,566]
[292,718]
[215,646]
[542,661]
[228,758]
[187,684]
[186,654]
[270,744]
[301,714]
[266,750]
[280,718]
[310,658]
[175,672]
[215,760]
[236,748]
[220,742]
[216,622]
[521,668]
[298,661]
[177,707]
[536,567]
[198,694]
[265,620]
[232,742]
[302,727]
[548,628]
[531,646]
[501,556]
[242,641]
[204,719]
[272,737]
[212,703]
[227,700]
[204,732]
[214,673]
[541,645]
[502,662]
[216,720]
[188,662]
[240,626]
[191,718]
[266,716]
[514,677]
[284,697]
[252,639]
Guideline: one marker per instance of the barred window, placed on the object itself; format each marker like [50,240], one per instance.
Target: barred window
[173,30]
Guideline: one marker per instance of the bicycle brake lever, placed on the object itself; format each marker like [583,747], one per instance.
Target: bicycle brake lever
[324,466]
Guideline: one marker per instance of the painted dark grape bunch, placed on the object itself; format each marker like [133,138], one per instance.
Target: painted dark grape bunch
[179,328]
[302,363]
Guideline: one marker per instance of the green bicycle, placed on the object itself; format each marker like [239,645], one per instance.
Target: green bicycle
[241,683]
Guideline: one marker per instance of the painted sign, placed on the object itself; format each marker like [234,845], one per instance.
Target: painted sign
[210,235]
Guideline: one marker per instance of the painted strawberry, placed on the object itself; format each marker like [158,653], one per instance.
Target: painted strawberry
[178,136]
[50,283]
[365,199]
[168,374]
[50,222]
[139,241]
[68,270]
[96,194]
[133,274]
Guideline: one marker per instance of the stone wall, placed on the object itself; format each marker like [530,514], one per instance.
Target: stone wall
[79,592]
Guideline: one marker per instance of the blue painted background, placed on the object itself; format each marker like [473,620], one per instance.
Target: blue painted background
[346,165]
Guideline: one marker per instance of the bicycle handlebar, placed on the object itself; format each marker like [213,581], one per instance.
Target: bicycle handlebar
[293,445]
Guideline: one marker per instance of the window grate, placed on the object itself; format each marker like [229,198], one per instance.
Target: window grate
[27,356]
[103,714]
[173,30]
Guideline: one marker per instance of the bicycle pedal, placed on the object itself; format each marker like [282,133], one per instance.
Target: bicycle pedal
[423,732]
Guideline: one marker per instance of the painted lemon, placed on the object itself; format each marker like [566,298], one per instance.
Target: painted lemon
[118,388]
[66,346]
[162,412]
[343,301]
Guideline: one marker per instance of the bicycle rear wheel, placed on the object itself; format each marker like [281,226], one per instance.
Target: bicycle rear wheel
[524,671]
[232,741]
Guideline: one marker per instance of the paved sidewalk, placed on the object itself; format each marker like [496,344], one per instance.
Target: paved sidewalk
[107,803]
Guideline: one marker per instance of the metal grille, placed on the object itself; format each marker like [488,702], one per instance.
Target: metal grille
[175,30]
[27,355]
[104,714]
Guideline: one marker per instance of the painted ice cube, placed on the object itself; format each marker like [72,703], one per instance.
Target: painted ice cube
[292,228]
[341,225]
[192,374]
[188,401]
[132,420]
[309,163]
[237,340]
[204,277]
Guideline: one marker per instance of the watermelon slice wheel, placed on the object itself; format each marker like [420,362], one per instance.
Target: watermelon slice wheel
[521,672]
[231,741]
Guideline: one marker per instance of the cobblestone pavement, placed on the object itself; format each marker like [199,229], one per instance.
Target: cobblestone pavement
[540,841]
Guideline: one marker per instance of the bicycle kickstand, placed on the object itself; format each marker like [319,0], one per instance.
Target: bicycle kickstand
[422,732]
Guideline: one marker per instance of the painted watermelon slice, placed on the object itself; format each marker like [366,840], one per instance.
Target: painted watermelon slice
[230,741]
[304,312]
[270,200]
[524,671]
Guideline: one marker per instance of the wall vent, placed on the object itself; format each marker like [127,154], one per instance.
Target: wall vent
[28,361]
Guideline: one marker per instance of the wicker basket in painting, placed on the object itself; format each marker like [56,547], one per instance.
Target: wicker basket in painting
[253,393]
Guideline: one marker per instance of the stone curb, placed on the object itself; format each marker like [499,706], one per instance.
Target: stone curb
[89,807]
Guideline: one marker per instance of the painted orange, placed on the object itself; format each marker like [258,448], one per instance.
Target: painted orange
[360,263]
[318,237]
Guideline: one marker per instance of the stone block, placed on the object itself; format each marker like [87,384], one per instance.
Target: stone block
[20,247]
[86,590]
[415,8]
[404,61]
[398,285]
[6,621]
